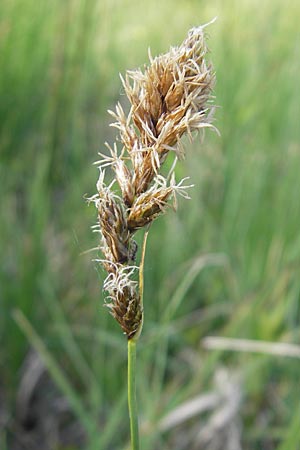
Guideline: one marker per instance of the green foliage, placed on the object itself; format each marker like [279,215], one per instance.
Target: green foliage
[59,74]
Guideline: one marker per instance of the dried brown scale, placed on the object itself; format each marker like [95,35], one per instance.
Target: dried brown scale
[169,99]
[144,173]
[124,178]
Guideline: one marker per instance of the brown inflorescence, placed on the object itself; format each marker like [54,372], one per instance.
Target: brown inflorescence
[170,98]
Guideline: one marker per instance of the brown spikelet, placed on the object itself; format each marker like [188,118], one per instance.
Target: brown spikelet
[127,310]
[147,207]
[114,229]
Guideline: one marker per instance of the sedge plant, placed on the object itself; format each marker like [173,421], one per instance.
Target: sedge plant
[171,97]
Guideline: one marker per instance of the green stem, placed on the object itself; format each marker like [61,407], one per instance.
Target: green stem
[132,406]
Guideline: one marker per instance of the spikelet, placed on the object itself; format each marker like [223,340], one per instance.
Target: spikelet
[170,98]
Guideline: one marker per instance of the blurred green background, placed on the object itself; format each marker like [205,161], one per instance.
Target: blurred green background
[226,264]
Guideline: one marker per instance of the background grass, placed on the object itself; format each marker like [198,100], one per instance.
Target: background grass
[227,264]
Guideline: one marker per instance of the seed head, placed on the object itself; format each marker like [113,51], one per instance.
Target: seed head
[170,98]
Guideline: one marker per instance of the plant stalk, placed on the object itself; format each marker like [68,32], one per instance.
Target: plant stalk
[132,405]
